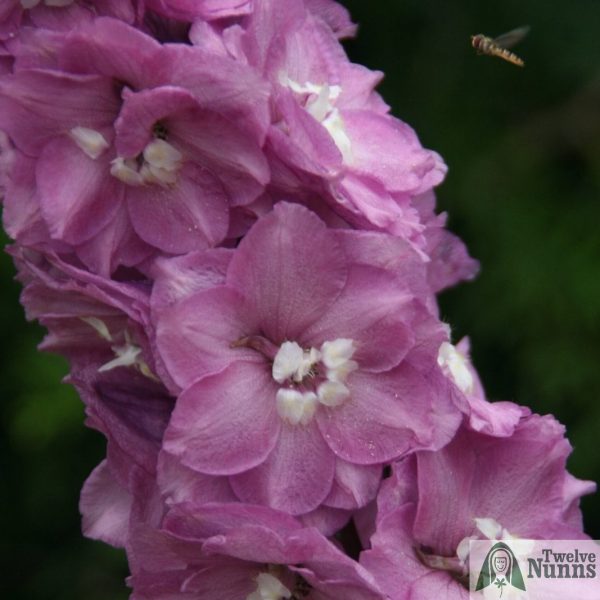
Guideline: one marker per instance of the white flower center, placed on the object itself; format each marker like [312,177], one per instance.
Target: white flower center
[456,366]
[126,355]
[297,408]
[325,370]
[491,530]
[269,588]
[92,142]
[320,104]
[160,164]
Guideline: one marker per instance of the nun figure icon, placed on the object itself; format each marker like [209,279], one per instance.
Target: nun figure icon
[500,569]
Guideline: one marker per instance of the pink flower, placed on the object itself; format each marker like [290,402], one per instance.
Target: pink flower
[240,552]
[477,487]
[330,131]
[156,168]
[308,363]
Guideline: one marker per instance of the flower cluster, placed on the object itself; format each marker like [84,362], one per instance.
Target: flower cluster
[236,247]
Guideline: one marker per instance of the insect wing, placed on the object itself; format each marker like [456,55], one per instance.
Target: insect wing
[511,38]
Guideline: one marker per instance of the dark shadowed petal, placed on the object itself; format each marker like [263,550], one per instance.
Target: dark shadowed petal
[290,269]
[225,423]
[297,475]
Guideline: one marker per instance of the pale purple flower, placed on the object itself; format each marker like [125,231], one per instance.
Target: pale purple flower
[477,487]
[308,367]
[240,552]
[156,165]
[331,132]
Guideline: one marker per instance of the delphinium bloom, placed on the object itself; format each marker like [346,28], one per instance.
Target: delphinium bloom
[477,487]
[330,131]
[238,552]
[132,164]
[306,361]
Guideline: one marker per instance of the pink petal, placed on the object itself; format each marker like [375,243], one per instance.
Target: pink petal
[327,520]
[389,149]
[371,310]
[353,485]
[225,423]
[140,112]
[194,336]
[222,85]
[78,195]
[388,415]
[501,478]
[116,50]
[117,244]
[201,522]
[105,506]
[303,142]
[179,277]
[31,114]
[191,215]
[179,483]
[297,475]
[234,156]
[290,269]
[233,579]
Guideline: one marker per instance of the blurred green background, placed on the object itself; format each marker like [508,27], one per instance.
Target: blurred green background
[523,148]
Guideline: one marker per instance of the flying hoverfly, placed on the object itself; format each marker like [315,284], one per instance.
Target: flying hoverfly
[499,46]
